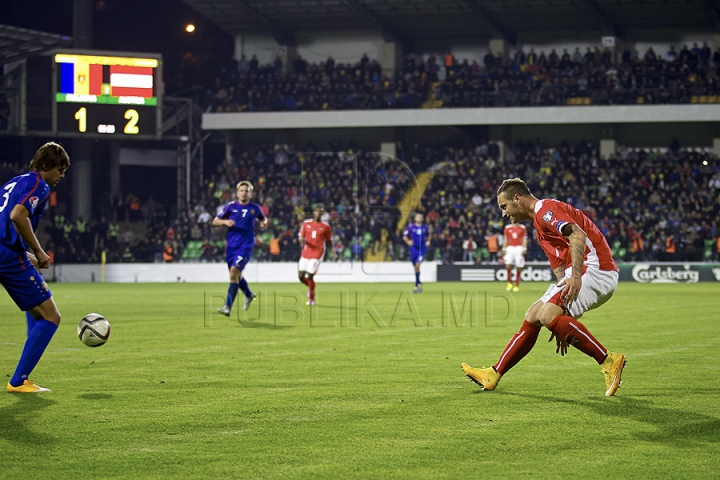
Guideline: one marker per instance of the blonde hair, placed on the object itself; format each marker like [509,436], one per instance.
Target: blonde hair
[247,184]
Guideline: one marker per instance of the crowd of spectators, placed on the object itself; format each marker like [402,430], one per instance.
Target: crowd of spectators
[359,190]
[246,86]
[651,204]
[594,77]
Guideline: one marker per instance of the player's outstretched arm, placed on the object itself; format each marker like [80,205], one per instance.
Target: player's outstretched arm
[20,216]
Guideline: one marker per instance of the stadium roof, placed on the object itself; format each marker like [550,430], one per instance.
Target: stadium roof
[19,43]
[436,21]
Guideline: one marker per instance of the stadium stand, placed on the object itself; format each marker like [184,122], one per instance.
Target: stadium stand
[640,198]
[688,76]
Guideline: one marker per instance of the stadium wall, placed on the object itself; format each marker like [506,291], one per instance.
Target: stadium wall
[365,272]
[342,272]
[564,115]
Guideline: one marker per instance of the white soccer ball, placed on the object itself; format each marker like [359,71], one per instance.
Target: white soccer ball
[93,330]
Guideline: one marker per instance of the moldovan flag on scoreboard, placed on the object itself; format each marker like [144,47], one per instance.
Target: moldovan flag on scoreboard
[126,81]
[81,78]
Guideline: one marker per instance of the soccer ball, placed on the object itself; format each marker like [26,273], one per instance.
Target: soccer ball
[94,330]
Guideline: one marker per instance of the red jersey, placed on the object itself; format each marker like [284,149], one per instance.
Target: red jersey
[550,218]
[315,235]
[514,234]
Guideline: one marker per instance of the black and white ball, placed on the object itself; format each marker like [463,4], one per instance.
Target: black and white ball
[94,330]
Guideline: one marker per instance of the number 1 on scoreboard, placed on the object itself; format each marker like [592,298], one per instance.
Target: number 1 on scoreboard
[81,117]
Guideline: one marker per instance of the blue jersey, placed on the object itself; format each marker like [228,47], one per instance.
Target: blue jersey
[242,234]
[29,190]
[419,236]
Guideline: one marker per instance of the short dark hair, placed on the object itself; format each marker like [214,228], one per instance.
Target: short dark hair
[514,186]
[48,157]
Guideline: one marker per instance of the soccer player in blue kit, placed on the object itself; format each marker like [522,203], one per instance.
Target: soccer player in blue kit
[22,203]
[239,217]
[417,237]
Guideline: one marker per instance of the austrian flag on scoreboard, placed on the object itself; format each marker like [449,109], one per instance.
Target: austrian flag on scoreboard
[126,81]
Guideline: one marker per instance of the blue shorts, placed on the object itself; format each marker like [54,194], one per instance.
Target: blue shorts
[417,256]
[21,279]
[238,258]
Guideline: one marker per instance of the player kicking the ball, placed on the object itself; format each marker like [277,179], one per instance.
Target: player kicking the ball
[587,277]
[313,235]
[239,217]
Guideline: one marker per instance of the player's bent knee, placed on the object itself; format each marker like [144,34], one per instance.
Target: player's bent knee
[55,318]
[533,313]
[548,313]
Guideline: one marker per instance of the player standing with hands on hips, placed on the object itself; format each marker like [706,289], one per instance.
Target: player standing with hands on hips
[239,217]
[417,237]
[587,277]
[313,235]
[22,203]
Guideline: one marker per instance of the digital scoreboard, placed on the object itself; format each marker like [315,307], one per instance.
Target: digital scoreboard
[99,94]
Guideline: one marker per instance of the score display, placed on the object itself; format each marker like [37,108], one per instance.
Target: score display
[100,94]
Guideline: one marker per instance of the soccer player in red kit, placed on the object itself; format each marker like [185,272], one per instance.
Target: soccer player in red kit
[314,234]
[587,277]
[514,250]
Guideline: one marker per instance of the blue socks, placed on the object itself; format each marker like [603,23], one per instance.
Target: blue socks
[30,322]
[417,278]
[232,293]
[244,287]
[35,345]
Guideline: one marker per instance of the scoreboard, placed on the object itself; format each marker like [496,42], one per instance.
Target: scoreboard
[101,95]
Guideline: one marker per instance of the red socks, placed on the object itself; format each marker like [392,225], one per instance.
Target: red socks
[520,345]
[304,280]
[577,335]
[517,278]
[311,286]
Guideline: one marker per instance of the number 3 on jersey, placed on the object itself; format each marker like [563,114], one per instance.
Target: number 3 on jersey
[8,190]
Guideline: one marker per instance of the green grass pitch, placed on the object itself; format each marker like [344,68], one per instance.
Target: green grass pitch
[368,386]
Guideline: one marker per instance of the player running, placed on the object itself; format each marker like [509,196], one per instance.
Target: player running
[21,207]
[587,277]
[239,217]
[313,235]
[417,237]
[514,250]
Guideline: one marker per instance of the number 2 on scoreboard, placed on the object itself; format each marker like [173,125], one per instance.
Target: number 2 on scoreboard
[132,116]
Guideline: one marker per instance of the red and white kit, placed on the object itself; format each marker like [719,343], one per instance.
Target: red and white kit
[315,234]
[600,274]
[514,234]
